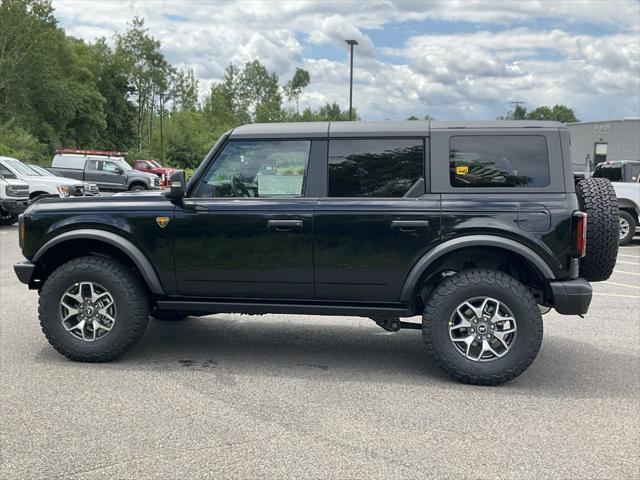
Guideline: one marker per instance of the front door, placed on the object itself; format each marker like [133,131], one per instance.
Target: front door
[376,221]
[246,232]
[112,175]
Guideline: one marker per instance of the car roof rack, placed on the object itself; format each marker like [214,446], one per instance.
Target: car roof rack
[102,153]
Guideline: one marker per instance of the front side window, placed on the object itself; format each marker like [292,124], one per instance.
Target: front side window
[374,168]
[110,167]
[273,168]
[498,161]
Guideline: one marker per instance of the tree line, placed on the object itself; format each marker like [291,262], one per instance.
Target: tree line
[58,91]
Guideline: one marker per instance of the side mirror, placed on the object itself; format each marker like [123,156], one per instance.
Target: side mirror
[177,185]
[119,171]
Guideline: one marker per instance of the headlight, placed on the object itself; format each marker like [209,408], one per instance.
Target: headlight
[64,190]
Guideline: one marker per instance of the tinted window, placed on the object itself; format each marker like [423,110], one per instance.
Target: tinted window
[498,161]
[374,168]
[272,168]
[613,173]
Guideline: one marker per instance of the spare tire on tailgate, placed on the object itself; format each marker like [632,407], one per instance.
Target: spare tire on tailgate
[598,200]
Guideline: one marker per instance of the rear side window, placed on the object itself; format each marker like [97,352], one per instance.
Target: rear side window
[498,161]
[374,168]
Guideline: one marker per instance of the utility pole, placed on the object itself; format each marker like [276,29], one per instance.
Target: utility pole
[516,104]
[161,131]
[351,43]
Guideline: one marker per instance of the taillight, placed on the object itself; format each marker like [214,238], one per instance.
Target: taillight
[581,233]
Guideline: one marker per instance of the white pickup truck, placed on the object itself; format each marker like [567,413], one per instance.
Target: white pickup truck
[625,178]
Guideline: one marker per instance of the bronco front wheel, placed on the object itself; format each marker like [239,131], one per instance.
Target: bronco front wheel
[482,327]
[93,309]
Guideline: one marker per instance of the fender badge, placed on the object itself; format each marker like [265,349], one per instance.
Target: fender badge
[162,221]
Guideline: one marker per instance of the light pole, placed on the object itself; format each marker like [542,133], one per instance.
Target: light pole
[351,43]
[161,131]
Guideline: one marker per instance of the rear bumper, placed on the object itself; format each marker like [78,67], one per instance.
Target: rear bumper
[24,271]
[571,297]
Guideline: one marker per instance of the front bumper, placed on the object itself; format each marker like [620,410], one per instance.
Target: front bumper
[571,297]
[14,207]
[24,271]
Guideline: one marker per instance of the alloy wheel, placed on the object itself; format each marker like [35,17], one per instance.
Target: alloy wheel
[87,311]
[482,329]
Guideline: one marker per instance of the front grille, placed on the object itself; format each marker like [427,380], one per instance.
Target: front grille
[17,191]
[156,182]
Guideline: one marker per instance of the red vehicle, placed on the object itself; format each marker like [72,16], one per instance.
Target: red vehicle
[151,166]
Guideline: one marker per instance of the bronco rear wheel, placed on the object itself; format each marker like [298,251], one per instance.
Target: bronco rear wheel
[93,309]
[598,200]
[482,327]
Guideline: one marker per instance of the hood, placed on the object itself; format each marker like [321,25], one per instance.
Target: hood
[141,174]
[13,181]
[53,181]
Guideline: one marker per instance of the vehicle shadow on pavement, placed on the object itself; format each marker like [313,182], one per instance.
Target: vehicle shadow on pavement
[232,347]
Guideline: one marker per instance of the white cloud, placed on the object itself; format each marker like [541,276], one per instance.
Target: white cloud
[455,75]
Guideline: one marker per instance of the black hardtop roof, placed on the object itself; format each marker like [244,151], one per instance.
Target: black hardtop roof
[408,128]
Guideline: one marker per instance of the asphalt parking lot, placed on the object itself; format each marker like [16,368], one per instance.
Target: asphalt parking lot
[232,396]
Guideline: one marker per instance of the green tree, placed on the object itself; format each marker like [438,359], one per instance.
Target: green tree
[260,92]
[518,113]
[558,113]
[294,87]
[184,91]
[148,72]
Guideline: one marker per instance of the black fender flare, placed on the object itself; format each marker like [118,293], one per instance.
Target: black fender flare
[471,241]
[125,246]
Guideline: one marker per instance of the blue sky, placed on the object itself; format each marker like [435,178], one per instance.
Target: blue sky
[450,59]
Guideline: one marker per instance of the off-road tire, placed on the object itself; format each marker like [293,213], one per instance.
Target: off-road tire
[632,227]
[598,200]
[169,315]
[8,220]
[130,296]
[454,290]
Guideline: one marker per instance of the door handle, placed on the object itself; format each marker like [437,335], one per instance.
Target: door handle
[409,225]
[284,225]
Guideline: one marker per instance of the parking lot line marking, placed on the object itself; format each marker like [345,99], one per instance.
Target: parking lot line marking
[632,256]
[621,285]
[626,273]
[617,295]
[628,263]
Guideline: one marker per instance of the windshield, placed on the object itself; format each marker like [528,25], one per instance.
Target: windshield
[154,163]
[20,167]
[41,171]
[613,173]
[125,166]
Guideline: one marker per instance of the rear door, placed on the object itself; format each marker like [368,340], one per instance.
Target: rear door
[376,219]
[93,172]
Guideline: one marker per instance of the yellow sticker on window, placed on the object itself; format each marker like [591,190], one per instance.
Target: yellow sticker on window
[462,170]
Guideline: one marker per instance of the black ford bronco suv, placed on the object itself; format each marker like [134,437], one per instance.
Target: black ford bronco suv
[478,227]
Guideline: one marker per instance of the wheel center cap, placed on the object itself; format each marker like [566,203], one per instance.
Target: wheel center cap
[88,311]
[482,328]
